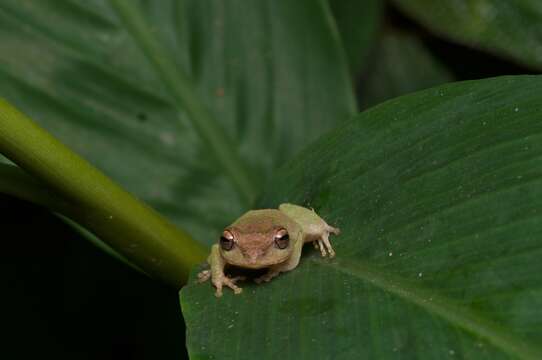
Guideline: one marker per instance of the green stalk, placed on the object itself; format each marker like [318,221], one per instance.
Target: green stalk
[85,195]
[184,93]
[17,183]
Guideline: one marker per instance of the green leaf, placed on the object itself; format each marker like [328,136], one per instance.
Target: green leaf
[357,22]
[438,195]
[79,70]
[508,28]
[401,64]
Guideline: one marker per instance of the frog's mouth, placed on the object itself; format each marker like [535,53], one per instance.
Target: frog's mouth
[252,266]
[257,263]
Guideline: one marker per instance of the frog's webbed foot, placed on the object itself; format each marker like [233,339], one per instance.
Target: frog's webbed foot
[222,280]
[267,276]
[323,243]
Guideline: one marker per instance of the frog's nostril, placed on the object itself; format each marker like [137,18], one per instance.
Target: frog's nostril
[252,256]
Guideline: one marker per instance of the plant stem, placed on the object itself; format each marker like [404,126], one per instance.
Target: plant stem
[17,183]
[85,195]
[183,92]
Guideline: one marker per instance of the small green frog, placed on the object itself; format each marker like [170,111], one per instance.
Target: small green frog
[267,238]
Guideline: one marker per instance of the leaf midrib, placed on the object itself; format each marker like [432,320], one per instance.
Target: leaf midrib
[438,305]
[183,91]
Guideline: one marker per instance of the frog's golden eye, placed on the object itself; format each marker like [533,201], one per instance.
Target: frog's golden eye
[282,239]
[226,241]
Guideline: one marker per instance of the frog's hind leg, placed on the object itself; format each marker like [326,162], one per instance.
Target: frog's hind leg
[333,230]
[322,241]
[325,245]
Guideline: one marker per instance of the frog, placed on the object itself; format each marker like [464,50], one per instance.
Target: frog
[270,239]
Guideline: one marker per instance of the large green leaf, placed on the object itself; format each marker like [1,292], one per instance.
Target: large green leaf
[272,74]
[438,195]
[511,28]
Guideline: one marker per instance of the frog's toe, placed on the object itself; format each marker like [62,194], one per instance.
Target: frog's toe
[218,292]
[236,289]
[238,278]
[333,230]
[321,247]
[325,246]
[204,276]
[231,284]
[266,277]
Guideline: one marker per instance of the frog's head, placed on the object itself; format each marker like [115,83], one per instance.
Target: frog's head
[261,239]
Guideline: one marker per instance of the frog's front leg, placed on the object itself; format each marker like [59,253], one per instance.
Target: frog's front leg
[216,273]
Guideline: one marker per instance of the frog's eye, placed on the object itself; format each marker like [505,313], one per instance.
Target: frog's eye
[282,239]
[226,241]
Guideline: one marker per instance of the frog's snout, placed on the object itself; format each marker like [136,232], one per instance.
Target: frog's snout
[252,258]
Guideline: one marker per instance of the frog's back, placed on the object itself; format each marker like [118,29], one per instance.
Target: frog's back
[300,214]
[265,220]
[310,222]
[313,226]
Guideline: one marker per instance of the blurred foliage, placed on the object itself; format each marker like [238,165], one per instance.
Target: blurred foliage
[70,65]
[79,71]
[512,28]
[358,23]
[402,64]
